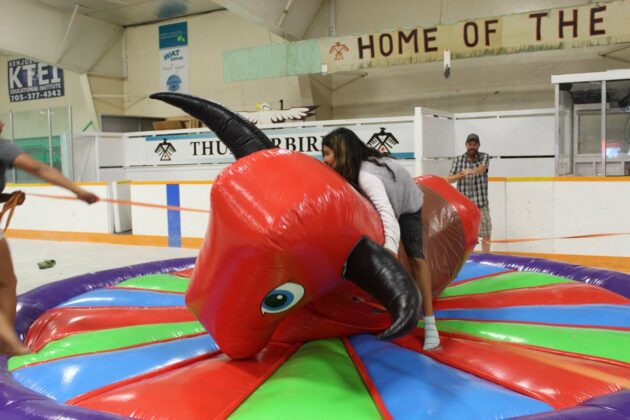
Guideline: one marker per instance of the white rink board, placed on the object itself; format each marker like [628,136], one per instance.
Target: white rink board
[48,214]
[195,196]
[147,220]
[531,215]
[558,207]
[592,207]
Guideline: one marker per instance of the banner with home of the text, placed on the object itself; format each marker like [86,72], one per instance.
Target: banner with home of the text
[551,29]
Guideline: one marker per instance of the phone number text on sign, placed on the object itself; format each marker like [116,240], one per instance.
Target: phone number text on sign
[36,95]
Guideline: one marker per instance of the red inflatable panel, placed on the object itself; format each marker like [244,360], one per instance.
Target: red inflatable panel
[209,389]
[60,322]
[184,273]
[559,380]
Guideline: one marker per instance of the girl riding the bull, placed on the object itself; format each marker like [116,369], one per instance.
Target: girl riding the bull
[398,200]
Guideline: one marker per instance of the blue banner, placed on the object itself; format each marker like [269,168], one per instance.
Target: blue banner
[174,35]
[29,80]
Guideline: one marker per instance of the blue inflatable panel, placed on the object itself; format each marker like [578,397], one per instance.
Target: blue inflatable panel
[125,297]
[592,315]
[472,270]
[415,386]
[64,379]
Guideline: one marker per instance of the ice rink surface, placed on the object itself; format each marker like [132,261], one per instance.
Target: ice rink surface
[74,258]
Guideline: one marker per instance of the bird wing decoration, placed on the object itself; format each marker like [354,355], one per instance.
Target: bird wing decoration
[338,47]
[270,116]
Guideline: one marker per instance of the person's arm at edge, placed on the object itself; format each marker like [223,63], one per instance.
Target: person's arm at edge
[481,169]
[453,175]
[478,170]
[454,178]
[36,168]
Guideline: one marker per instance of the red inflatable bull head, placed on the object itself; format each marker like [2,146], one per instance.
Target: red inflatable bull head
[288,240]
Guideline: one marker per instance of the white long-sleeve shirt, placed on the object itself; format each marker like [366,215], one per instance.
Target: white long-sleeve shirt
[375,191]
[392,197]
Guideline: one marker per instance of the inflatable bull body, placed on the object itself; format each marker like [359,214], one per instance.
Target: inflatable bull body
[292,250]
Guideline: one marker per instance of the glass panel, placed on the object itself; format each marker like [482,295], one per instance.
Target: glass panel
[564,156]
[588,129]
[617,133]
[31,134]
[61,130]
[618,120]
[589,132]
[587,101]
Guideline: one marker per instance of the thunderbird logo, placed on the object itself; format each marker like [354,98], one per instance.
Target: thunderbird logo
[338,49]
[382,141]
[165,150]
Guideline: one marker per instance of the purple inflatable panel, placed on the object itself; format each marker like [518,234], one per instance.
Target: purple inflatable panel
[607,407]
[33,303]
[611,280]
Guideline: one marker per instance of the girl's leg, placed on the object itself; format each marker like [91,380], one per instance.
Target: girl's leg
[9,341]
[422,277]
[411,237]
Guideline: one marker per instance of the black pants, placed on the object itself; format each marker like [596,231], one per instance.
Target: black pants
[411,233]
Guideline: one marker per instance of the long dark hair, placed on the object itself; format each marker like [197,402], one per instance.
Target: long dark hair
[350,152]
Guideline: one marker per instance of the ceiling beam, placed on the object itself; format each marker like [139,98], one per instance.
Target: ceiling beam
[70,40]
[289,19]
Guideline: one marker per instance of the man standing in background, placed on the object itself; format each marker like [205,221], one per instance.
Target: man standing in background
[470,170]
[10,156]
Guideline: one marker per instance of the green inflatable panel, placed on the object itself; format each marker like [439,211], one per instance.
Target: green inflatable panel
[320,374]
[507,281]
[161,282]
[589,341]
[104,340]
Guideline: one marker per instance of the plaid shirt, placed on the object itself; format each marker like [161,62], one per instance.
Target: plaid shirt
[475,187]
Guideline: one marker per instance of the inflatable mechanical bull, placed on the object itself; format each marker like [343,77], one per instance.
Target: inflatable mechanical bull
[292,252]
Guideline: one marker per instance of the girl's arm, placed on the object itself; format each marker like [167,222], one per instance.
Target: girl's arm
[375,191]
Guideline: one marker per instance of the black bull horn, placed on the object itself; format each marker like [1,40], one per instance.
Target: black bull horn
[379,273]
[239,135]
[369,265]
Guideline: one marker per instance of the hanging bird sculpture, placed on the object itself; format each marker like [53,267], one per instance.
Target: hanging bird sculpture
[265,115]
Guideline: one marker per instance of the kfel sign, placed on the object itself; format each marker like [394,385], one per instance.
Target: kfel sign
[29,80]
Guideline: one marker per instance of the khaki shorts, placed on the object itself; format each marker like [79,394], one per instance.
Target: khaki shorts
[485,229]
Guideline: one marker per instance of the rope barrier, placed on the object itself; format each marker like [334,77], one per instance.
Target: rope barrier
[124,202]
[593,235]
[12,202]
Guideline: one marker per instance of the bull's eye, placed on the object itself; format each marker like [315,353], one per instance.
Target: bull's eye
[282,298]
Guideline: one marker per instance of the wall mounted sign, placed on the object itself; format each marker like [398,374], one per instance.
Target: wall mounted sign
[30,80]
[174,57]
[395,138]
